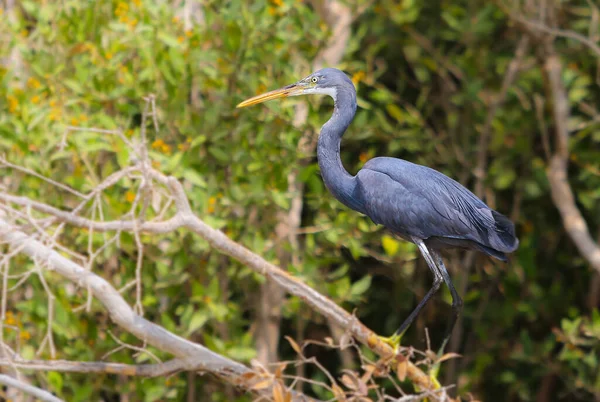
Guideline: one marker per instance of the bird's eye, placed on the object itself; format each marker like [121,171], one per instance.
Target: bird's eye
[314,80]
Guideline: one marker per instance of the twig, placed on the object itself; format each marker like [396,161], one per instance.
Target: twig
[538,26]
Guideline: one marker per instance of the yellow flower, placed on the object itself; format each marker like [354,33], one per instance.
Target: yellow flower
[108,55]
[158,144]
[25,335]
[358,77]
[35,100]
[180,39]
[13,103]
[55,114]
[130,196]
[10,318]
[74,121]
[33,83]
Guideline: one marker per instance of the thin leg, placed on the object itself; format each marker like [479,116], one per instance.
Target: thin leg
[457,302]
[437,280]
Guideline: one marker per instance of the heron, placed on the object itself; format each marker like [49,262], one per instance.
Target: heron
[414,202]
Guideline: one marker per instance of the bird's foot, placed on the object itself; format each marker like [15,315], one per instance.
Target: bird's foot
[435,368]
[433,374]
[393,341]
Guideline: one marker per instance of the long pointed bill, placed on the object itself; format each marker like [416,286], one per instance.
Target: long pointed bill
[290,90]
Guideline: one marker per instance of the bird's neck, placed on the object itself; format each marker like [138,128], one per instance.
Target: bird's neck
[339,182]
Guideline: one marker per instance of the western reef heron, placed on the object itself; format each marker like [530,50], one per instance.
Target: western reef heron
[416,203]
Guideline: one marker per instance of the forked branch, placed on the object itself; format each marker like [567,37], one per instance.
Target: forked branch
[189,352]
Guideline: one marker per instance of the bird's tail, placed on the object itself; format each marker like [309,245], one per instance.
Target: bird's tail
[504,238]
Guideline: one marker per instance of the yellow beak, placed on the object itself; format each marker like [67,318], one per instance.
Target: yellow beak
[284,92]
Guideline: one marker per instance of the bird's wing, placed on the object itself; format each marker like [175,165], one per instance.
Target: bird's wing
[415,200]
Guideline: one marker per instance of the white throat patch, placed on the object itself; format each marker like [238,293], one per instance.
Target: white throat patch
[325,91]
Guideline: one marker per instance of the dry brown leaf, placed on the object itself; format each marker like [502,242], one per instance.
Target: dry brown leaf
[431,355]
[278,392]
[401,369]
[279,370]
[448,356]
[262,384]
[339,393]
[369,370]
[348,382]
[294,345]
[363,389]
[248,376]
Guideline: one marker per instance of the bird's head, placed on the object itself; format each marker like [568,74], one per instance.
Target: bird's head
[326,81]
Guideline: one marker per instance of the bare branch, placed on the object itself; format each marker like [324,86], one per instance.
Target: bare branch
[193,356]
[28,389]
[561,191]
[123,315]
[538,26]
[137,370]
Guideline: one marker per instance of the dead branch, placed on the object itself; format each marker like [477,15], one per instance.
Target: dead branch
[134,370]
[194,357]
[40,394]
[218,240]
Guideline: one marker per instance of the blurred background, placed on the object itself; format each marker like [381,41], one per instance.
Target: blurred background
[486,92]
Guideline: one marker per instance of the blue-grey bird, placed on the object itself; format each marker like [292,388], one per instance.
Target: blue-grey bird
[416,203]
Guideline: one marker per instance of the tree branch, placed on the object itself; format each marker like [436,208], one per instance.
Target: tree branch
[195,356]
[28,389]
[67,366]
[561,191]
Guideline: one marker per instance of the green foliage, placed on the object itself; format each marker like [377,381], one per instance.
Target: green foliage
[425,76]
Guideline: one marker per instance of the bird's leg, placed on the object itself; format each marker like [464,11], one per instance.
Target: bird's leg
[394,340]
[457,302]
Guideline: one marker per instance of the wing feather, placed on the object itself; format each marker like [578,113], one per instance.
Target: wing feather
[414,200]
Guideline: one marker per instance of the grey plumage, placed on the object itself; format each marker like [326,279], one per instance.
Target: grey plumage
[414,202]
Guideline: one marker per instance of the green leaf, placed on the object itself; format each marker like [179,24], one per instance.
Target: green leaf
[361,286]
[55,380]
[194,177]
